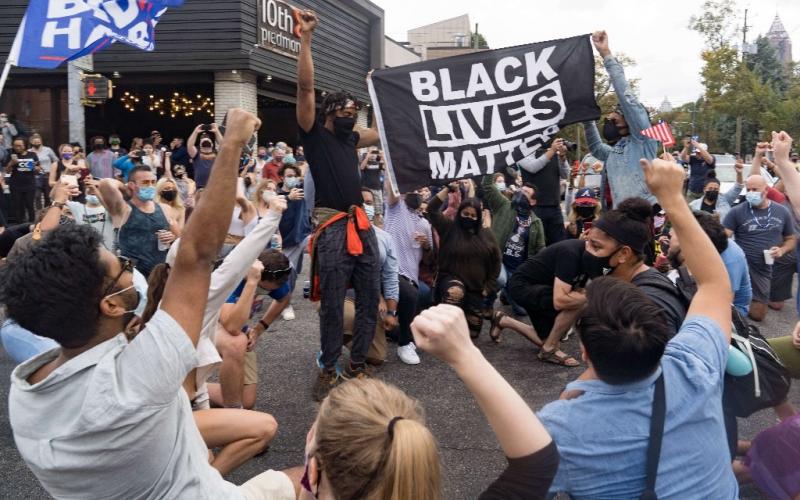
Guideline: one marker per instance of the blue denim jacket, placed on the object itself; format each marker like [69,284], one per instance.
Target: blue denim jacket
[622,169]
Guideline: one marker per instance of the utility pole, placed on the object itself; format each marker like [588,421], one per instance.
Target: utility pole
[475,38]
[744,60]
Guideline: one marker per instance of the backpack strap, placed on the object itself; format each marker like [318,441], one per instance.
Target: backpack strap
[656,436]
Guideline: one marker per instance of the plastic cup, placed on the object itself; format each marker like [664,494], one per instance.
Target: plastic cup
[162,247]
[768,258]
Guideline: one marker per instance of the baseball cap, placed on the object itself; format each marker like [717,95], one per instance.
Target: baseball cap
[585,197]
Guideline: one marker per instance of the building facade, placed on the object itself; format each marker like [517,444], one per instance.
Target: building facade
[210,56]
[780,41]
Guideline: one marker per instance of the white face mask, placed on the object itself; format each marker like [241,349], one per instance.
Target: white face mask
[267,196]
[500,185]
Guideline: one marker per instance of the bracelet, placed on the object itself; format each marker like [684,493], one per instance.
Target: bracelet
[264,324]
[58,204]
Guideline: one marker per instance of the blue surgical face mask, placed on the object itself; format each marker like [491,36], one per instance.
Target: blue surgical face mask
[92,199]
[500,186]
[754,198]
[290,182]
[370,211]
[147,193]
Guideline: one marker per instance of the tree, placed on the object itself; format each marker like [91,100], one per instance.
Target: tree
[765,64]
[716,24]
[480,40]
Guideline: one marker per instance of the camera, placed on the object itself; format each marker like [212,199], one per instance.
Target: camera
[205,127]
[571,146]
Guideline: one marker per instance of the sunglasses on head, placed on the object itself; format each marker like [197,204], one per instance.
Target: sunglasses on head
[267,275]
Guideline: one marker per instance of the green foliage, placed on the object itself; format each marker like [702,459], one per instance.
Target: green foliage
[760,90]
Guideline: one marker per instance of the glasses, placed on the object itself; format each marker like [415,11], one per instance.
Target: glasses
[267,275]
[125,264]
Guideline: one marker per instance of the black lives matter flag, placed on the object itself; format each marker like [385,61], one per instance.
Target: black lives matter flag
[476,114]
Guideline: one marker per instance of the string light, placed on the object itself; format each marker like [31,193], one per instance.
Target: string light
[179,105]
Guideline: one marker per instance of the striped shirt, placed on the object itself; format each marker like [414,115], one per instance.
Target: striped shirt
[402,224]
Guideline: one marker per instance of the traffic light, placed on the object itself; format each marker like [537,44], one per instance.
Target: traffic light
[96,89]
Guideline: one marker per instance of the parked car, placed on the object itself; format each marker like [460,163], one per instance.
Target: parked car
[727,174]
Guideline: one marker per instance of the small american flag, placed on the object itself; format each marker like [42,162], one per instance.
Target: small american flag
[660,132]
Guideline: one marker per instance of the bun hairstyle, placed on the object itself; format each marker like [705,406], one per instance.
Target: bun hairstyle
[629,223]
[373,444]
[711,178]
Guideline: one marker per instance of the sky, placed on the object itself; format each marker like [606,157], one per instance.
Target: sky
[654,33]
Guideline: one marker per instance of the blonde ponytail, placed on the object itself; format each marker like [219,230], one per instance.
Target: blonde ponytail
[364,457]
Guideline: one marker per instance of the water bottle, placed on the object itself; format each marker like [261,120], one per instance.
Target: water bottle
[275,242]
[306,289]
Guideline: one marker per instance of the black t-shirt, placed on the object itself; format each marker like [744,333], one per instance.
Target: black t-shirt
[547,182]
[526,477]
[705,207]
[10,236]
[566,260]
[665,294]
[371,176]
[334,166]
[23,175]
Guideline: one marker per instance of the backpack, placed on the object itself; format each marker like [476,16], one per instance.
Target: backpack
[769,382]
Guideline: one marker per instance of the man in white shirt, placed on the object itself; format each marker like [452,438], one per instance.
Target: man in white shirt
[102,417]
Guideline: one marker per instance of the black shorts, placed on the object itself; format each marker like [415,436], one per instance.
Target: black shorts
[537,300]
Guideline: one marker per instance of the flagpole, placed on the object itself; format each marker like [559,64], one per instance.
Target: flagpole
[13,54]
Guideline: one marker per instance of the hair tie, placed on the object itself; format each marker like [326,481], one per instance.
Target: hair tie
[391,426]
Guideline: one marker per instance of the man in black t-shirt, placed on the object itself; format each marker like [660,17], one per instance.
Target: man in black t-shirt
[550,287]
[23,167]
[344,246]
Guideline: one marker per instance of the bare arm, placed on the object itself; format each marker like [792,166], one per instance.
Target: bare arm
[442,331]
[390,198]
[782,145]
[112,198]
[233,317]
[714,295]
[564,297]
[306,99]
[186,290]
[761,150]
[191,149]
[369,136]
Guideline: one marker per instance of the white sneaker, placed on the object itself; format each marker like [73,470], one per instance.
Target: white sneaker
[408,354]
[288,313]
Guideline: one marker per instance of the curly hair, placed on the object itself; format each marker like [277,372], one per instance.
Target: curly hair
[53,289]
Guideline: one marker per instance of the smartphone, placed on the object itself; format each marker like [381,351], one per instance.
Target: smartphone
[70,180]
[248,149]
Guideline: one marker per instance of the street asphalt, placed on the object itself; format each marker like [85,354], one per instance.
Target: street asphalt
[470,454]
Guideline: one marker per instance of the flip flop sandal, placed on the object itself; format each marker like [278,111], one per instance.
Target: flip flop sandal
[496,330]
[554,358]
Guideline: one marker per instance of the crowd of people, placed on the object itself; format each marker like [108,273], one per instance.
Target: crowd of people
[171,261]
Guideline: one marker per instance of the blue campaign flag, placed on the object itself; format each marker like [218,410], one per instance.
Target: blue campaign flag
[54,31]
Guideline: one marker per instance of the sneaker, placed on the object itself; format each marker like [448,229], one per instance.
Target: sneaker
[408,354]
[327,380]
[288,313]
[357,371]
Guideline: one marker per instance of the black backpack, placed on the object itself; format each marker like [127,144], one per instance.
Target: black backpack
[769,382]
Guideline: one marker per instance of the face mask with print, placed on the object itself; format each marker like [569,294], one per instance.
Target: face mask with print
[370,211]
[754,198]
[146,193]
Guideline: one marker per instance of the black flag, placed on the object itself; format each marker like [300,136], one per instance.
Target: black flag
[476,114]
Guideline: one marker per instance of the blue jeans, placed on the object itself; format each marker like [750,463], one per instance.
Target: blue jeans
[502,283]
[21,344]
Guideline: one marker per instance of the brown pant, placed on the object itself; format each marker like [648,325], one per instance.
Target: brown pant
[377,349]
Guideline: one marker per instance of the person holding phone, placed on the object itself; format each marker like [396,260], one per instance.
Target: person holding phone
[23,167]
[700,162]
[203,159]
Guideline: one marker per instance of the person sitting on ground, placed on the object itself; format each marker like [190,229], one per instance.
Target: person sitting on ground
[110,408]
[236,339]
[583,212]
[620,236]
[469,258]
[370,440]
[765,231]
[631,362]
[710,200]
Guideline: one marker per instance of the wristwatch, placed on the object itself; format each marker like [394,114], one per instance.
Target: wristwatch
[391,313]
[59,204]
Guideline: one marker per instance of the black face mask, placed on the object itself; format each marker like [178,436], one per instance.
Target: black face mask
[343,127]
[712,196]
[171,195]
[604,263]
[611,132]
[98,146]
[521,204]
[413,200]
[468,224]
[585,212]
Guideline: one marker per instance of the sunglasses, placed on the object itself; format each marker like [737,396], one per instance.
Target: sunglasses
[267,275]
[125,264]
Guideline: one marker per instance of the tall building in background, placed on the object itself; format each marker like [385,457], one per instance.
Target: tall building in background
[666,106]
[780,41]
[442,39]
